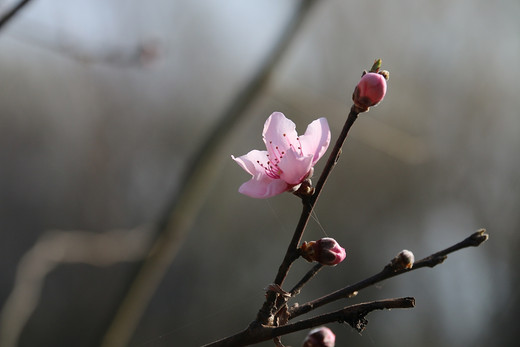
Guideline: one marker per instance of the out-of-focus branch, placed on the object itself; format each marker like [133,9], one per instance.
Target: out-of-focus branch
[181,211]
[12,12]
[388,271]
[353,315]
[63,247]
[142,54]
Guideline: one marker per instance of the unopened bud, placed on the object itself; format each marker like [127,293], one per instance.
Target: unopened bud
[325,251]
[370,90]
[404,260]
[320,337]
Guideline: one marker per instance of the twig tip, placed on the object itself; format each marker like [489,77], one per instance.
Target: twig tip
[411,301]
[478,237]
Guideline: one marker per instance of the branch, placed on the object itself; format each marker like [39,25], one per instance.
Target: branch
[353,315]
[10,14]
[308,204]
[474,240]
[51,250]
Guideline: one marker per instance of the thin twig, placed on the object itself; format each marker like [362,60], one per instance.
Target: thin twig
[353,315]
[10,14]
[180,212]
[473,240]
[308,276]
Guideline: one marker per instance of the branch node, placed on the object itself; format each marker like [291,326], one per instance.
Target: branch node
[273,287]
[358,323]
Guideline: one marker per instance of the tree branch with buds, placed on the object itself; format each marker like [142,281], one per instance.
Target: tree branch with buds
[392,269]
[287,165]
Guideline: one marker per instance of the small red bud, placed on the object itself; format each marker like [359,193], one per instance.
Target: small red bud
[370,90]
[320,337]
[325,251]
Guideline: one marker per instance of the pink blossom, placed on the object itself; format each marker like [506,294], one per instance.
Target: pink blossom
[289,158]
[370,90]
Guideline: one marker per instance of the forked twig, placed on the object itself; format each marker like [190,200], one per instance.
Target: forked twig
[353,315]
[257,332]
[473,240]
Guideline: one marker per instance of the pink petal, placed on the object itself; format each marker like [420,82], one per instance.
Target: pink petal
[250,162]
[294,167]
[262,188]
[260,185]
[316,139]
[279,133]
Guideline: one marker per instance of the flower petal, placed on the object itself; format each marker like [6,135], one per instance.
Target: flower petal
[250,162]
[262,188]
[316,139]
[279,134]
[260,185]
[294,168]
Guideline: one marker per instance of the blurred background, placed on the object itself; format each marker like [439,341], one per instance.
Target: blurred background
[105,105]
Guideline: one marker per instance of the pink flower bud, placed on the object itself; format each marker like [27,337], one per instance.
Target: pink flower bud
[370,90]
[320,337]
[325,251]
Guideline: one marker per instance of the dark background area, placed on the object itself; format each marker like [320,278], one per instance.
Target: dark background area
[104,104]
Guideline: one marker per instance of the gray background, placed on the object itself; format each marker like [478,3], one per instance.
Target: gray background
[103,103]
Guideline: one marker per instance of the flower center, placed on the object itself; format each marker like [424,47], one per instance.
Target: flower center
[271,166]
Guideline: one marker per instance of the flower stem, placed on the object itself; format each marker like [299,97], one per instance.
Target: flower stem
[336,152]
[309,202]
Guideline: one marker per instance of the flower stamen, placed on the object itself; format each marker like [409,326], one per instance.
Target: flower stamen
[272,171]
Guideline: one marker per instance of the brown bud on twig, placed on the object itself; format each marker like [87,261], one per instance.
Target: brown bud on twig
[404,260]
